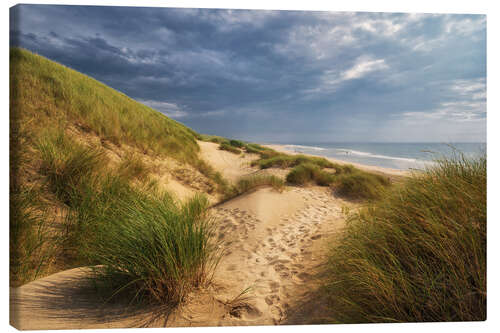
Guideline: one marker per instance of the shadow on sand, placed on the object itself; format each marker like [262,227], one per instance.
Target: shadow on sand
[70,299]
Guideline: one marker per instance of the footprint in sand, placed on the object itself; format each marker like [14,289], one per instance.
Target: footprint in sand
[271,299]
[276,313]
[275,286]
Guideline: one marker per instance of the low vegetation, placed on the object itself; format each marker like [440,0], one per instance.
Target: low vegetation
[133,167]
[29,254]
[229,148]
[418,254]
[237,143]
[65,163]
[345,180]
[250,183]
[360,185]
[308,172]
[149,245]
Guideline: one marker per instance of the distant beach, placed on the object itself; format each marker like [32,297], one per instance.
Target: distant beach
[391,157]
[289,150]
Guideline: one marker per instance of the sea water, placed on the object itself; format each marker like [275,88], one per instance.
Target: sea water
[402,156]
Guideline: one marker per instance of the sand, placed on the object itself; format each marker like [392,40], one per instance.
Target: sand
[232,166]
[274,244]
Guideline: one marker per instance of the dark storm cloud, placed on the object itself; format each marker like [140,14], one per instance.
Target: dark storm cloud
[279,75]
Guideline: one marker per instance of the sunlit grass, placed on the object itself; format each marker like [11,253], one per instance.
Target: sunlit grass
[419,253]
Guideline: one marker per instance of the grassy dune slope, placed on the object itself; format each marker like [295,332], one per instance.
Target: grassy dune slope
[419,254]
[49,93]
[81,155]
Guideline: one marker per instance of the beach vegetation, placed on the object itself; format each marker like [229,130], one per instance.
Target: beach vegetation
[345,180]
[149,245]
[236,143]
[133,167]
[417,254]
[358,184]
[249,183]
[307,172]
[229,148]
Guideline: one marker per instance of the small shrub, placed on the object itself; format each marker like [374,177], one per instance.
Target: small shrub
[229,148]
[251,150]
[302,174]
[236,143]
[360,185]
[256,149]
[308,172]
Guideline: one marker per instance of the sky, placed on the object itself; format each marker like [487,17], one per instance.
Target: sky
[279,76]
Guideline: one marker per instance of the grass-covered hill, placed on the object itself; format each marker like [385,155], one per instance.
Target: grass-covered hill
[81,153]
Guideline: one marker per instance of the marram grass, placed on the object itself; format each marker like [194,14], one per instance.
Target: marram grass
[155,247]
[419,254]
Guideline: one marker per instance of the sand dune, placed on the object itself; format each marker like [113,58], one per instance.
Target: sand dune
[273,243]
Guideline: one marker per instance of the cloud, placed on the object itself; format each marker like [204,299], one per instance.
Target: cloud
[362,67]
[332,78]
[468,103]
[273,74]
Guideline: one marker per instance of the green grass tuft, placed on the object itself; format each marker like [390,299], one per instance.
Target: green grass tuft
[249,183]
[308,172]
[229,148]
[153,246]
[29,256]
[133,167]
[236,143]
[65,163]
[419,254]
[360,185]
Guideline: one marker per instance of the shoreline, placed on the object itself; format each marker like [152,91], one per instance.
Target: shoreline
[371,168]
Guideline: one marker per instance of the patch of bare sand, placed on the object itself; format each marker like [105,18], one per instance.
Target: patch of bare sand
[231,166]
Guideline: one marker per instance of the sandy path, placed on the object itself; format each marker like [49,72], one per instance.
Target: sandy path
[269,238]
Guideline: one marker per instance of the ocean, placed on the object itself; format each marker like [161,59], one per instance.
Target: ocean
[402,156]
